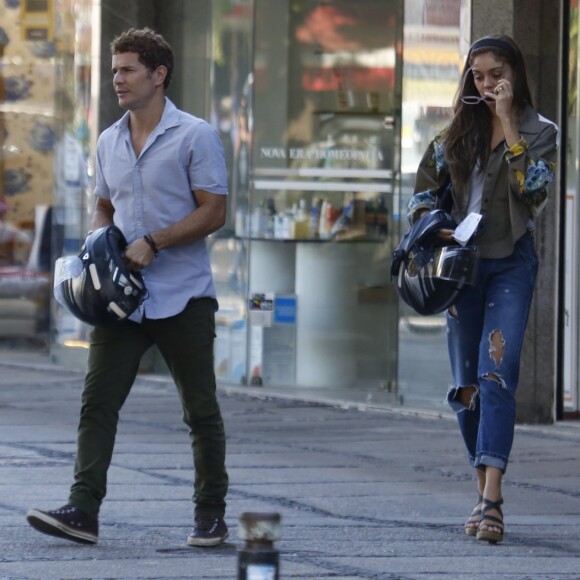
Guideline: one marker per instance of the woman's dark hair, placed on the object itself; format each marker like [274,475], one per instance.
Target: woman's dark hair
[152,48]
[468,136]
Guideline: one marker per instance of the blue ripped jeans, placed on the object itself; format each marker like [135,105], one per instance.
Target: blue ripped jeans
[485,333]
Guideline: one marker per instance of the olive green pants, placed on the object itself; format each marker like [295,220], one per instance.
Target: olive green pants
[186,343]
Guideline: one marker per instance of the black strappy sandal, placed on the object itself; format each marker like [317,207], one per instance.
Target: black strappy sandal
[491,521]
[472,523]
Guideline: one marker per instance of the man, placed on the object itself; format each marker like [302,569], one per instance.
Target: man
[161,178]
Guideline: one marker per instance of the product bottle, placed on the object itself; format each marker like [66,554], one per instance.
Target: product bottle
[288,225]
[301,221]
[315,211]
[258,221]
[323,225]
[327,218]
[279,226]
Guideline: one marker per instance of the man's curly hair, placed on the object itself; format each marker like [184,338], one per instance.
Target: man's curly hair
[152,48]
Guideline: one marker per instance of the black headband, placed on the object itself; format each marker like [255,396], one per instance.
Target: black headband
[494,43]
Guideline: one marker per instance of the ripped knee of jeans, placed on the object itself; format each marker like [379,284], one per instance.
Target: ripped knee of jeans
[462,398]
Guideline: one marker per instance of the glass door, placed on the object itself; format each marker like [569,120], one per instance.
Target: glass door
[571,292]
[323,188]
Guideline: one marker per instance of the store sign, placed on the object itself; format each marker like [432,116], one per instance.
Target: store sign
[322,153]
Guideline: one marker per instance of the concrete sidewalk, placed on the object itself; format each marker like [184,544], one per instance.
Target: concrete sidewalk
[363,491]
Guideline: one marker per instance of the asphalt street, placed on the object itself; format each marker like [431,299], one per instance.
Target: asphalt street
[364,491]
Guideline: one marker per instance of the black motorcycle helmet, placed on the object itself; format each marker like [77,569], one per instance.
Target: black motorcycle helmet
[97,287]
[427,273]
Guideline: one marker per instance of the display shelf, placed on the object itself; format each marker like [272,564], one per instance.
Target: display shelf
[340,289]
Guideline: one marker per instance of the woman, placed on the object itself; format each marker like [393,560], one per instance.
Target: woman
[496,157]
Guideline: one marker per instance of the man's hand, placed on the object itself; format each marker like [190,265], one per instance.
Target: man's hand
[138,255]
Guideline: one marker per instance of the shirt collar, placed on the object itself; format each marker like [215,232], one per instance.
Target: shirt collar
[169,118]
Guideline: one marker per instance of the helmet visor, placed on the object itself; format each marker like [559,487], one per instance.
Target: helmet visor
[455,264]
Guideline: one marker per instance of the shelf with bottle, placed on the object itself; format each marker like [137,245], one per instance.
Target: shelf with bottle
[317,217]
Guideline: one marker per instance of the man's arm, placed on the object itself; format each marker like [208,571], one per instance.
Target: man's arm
[103,214]
[209,217]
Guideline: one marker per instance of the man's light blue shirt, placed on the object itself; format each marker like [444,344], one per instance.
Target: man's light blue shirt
[153,191]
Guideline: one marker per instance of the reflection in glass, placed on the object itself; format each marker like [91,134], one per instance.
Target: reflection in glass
[231,102]
[72,196]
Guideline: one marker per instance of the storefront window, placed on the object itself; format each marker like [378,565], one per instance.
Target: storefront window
[72,154]
[231,114]
[435,46]
[324,170]
[571,290]
[43,114]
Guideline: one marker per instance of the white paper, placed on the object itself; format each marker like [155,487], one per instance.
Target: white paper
[466,228]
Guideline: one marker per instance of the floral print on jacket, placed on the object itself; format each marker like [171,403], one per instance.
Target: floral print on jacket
[533,184]
[433,159]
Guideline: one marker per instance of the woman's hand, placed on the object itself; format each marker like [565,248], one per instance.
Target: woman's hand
[446,235]
[503,96]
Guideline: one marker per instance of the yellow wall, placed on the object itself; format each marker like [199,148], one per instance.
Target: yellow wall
[28,78]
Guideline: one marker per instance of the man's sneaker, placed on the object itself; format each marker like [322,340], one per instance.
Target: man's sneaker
[207,531]
[67,522]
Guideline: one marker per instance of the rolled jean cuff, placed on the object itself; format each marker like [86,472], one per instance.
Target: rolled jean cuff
[483,459]
[479,467]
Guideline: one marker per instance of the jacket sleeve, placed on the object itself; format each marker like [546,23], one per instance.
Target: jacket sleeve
[532,167]
[431,176]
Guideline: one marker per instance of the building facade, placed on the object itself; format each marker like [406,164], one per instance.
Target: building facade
[324,109]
